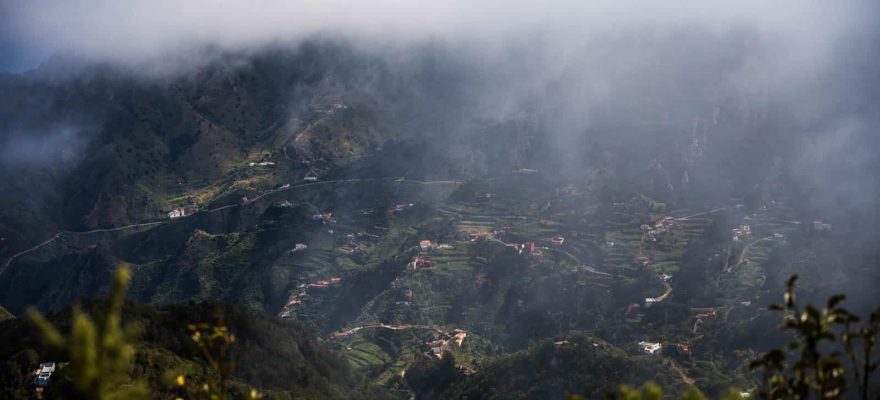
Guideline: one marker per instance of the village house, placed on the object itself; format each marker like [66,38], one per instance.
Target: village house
[557,240]
[742,232]
[650,347]
[325,217]
[481,235]
[458,336]
[399,207]
[310,177]
[420,262]
[182,211]
[821,227]
[44,375]
[426,245]
[704,312]
[529,249]
[437,347]
[298,247]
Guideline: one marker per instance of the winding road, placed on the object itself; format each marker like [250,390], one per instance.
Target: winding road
[212,210]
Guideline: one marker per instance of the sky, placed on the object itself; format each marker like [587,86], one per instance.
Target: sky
[141,31]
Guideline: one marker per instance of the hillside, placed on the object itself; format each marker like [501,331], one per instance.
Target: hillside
[280,358]
[555,368]
[407,209]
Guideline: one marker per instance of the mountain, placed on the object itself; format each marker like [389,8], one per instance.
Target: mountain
[391,203]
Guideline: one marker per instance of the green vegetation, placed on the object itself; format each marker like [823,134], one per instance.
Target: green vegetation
[243,356]
[99,351]
[814,370]
[555,268]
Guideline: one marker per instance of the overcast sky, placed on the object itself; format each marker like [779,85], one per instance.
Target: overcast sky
[137,31]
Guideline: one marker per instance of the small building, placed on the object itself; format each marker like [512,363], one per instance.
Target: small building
[399,208]
[821,227]
[284,186]
[481,235]
[650,347]
[299,247]
[310,177]
[419,262]
[557,240]
[325,217]
[183,211]
[44,375]
[651,300]
[426,245]
[665,277]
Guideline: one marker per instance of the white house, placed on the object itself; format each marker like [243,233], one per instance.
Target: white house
[299,247]
[650,347]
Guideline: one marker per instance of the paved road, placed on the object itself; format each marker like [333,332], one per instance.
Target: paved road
[213,210]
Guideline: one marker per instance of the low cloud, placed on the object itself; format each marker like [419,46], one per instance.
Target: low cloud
[147,31]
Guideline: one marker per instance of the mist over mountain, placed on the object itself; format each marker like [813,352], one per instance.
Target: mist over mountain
[561,183]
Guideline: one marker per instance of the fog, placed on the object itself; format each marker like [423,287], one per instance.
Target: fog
[763,81]
[148,31]
[815,62]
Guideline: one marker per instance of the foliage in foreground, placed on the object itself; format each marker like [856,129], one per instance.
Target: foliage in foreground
[813,364]
[99,350]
